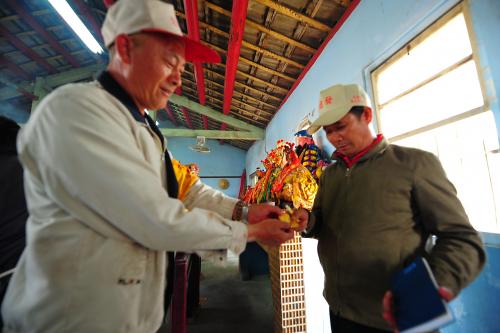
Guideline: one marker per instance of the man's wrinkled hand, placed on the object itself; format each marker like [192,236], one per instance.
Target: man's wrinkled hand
[260,212]
[270,232]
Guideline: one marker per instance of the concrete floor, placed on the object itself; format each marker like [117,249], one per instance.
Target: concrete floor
[231,305]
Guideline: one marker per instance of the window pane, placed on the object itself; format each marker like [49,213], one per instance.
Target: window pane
[451,94]
[468,150]
[443,48]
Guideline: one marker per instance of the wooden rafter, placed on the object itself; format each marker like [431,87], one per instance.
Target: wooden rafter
[216,104]
[201,109]
[21,11]
[252,46]
[261,28]
[236,114]
[212,134]
[170,115]
[236,93]
[298,33]
[14,68]
[244,86]
[14,40]
[238,109]
[15,17]
[257,65]
[259,110]
[53,29]
[55,80]
[282,9]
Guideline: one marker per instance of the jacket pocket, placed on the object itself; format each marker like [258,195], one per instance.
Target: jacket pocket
[133,266]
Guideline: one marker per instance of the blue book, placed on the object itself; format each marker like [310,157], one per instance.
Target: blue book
[418,307]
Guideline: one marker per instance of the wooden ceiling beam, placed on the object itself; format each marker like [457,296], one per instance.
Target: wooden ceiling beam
[46,45]
[299,31]
[34,13]
[233,109]
[59,56]
[261,28]
[338,25]
[26,50]
[52,29]
[18,90]
[256,79]
[272,55]
[270,107]
[14,68]
[26,17]
[212,103]
[54,80]
[267,69]
[201,109]
[198,124]
[253,47]
[242,85]
[170,115]
[234,106]
[237,93]
[211,134]
[282,9]
[257,65]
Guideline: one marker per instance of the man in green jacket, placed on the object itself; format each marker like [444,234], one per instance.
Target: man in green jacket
[375,209]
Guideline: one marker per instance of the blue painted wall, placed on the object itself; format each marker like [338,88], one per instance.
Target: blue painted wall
[374,31]
[476,308]
[486,25]
[223,160]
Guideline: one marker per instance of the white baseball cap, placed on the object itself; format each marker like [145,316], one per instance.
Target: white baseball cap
[335,102]
[133,16]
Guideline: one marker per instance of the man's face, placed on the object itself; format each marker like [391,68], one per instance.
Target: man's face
[350,134]
[302,140]
[156,67]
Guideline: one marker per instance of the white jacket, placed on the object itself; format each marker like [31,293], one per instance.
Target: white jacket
[101,220]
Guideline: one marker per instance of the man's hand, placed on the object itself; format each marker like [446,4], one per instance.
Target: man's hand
[388,305]
[301,216]
[259,212]
[270,232]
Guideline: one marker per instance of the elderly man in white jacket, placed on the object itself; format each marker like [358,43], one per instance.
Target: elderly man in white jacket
[101,190]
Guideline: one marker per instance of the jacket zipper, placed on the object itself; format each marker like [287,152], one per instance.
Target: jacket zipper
[347,174]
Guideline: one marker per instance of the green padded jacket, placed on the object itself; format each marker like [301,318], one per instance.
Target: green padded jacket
[373,218]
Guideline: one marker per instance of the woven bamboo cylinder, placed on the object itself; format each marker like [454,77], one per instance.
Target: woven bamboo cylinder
[286,268]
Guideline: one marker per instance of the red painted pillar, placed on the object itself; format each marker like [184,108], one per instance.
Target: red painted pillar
[178,310]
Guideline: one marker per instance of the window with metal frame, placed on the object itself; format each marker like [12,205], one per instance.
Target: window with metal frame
[429,95]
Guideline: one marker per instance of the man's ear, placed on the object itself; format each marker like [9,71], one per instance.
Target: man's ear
[123,46]
[367,115]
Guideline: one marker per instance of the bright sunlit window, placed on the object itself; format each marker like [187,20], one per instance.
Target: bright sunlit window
[428,95]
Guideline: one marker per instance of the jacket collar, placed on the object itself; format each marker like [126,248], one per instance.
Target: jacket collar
[113,87]
[378,145]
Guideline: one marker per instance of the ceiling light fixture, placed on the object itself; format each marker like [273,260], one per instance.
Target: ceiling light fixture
[69,15]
